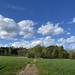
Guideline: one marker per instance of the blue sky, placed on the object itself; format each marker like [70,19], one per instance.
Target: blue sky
[26,23]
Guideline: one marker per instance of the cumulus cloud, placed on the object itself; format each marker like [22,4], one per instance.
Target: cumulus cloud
[72,46]
[73,21]
[71,39]
[8,28]
[50,28]
[47,41]
[36,42]
[68,43]
[63,41]
[26,28]
[25,44]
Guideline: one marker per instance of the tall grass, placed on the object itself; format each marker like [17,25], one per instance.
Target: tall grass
[56,66]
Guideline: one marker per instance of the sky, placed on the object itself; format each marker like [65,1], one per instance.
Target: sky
[27,23]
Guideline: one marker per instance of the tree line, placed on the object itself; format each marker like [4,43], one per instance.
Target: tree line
[50,52]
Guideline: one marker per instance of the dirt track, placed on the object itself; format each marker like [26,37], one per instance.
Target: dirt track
[30,69]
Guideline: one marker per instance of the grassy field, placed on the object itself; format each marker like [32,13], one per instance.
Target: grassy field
[56,66]
[12,65]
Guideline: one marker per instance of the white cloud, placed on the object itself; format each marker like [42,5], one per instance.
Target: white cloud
[47,41]
[71,39]
[63,41]
[25,44]
[72,46]
[1,45]
[26,28]
[68,33]
[59,44]
[36,42]
[8,28]
[5,45]
[51,29]
[73,21]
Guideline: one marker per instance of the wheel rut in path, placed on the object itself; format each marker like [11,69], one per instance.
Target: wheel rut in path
[30,69]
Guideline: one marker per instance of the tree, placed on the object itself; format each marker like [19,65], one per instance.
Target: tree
[72,55]
[55,53]
[65,54]
[61,49]
[30,55]
[22,51]
[37,51]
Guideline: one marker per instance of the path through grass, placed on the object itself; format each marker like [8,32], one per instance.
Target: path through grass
[30,69]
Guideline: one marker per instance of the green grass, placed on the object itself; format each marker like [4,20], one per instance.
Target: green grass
[12,65]
[56,66]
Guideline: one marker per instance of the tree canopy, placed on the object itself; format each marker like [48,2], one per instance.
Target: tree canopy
[50,52]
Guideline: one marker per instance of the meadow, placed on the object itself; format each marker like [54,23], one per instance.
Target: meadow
[12,65]
[56,66]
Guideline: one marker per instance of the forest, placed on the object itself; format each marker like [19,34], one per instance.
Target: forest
[50,52]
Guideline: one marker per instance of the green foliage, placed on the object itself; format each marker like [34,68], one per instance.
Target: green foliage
[37,51]
[50,52]
[30,55]
[72,55]
[55,53]
[56,66]
[12,65]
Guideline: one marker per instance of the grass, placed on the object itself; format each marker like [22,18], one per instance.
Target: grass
[56,66]
[12,65]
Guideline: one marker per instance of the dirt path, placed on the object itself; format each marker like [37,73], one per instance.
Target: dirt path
[30,69]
